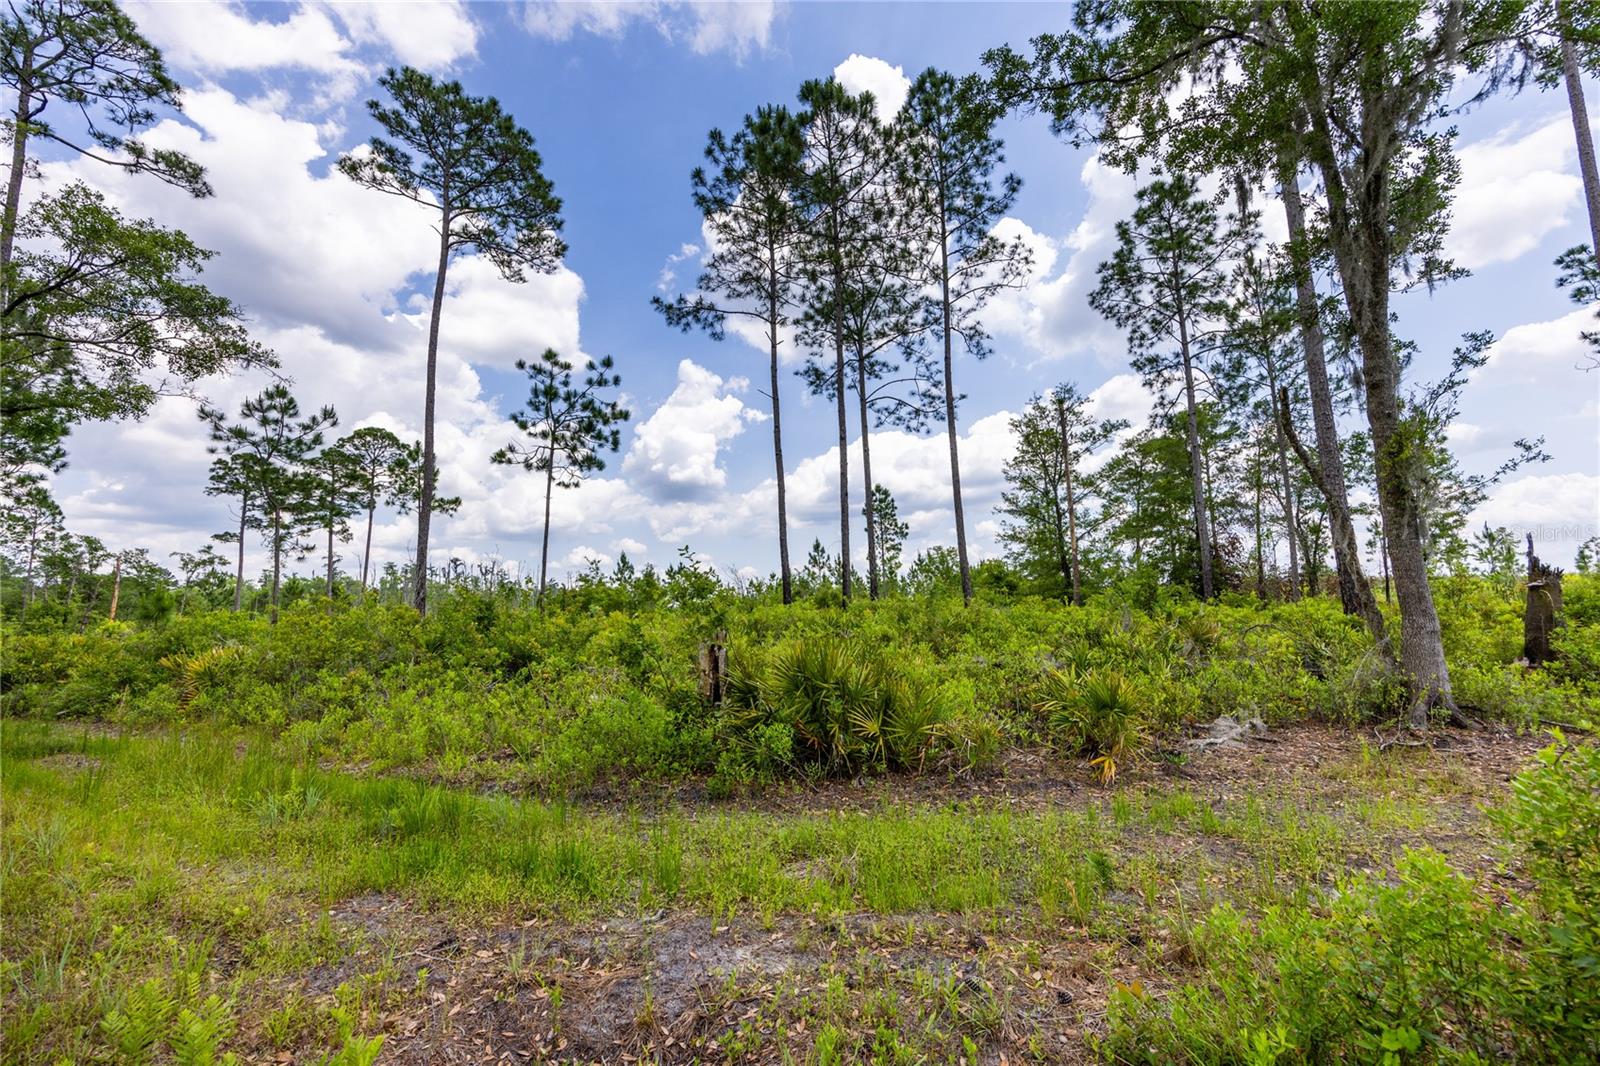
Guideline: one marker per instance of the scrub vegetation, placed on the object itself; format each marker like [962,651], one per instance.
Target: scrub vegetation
[1242,747]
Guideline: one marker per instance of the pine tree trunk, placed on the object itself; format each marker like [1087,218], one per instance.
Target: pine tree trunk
[1261,555]
[238,580]
[777,443]
[1282,447]
[1060,528]
[840,386]
[1355,594]
[1062,559]
[19,164]
[27,588]
[366,555]
[866,474]
[1580,127]
[277,561]
[950,409]
[330,566]
[1197,474]
[425,500]
[544,549]
[1076,577]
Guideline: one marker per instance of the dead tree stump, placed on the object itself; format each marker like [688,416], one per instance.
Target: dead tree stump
[1542,615]
[714,668]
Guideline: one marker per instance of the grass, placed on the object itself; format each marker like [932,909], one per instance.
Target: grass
[148,856]
[177,800]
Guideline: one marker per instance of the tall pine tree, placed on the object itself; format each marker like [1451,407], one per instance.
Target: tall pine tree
[464,159]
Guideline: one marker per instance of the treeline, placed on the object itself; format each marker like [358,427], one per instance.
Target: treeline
[869,243]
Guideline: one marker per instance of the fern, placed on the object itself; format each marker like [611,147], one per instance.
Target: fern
[198,1034]
[134,1029]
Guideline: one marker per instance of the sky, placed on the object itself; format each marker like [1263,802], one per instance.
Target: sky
[337,280]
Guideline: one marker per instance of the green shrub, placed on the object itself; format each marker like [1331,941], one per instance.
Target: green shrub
[601,687]
[1423,967]
[844,709]
[1097,714]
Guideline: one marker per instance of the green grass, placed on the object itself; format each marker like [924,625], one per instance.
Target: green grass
[214,799]
[150,856]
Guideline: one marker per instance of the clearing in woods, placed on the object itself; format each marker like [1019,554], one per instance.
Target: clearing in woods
[980,916]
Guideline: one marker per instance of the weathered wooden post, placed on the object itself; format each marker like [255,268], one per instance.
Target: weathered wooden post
[714,668]
[1543,612]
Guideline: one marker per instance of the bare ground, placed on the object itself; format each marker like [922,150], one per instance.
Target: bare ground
[686,987]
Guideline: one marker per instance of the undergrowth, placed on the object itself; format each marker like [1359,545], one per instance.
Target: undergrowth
[589,695]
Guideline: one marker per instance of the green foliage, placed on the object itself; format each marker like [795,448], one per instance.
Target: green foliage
[101,307]
[1096,714]
[570,426]
[160,1012]
[599,688]
[1423,967]
[833,707]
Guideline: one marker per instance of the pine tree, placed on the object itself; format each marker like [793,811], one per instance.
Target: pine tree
[746,195]
[467,160]
[99,314]
[87,54]
[262,459]
[1164,284]
[846,163]
[372,458]
[1048,486]
[1280,80]
[333,497]
[569,424]
[1259,321]
[880,316]
[1326,469]
[948,154]
[892,534]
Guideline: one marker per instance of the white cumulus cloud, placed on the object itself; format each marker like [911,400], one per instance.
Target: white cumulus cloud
[675,451]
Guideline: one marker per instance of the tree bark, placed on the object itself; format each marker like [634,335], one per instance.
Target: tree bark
[866,474]
[1072,505]
[330,566]
[1282,447]
[116,589]
[1355,594]
[844,461]
[27,587]
[1197,475]
[1580,127]
[950,407]
[1063,558]
[238,579]
[1261,556]
[19,163]
[277,561]
[777,439]
[544,550]
[1364,255]
[366,554]
[425,499]
[1542,615]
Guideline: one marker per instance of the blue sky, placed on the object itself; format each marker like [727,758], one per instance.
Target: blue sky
[619,98]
